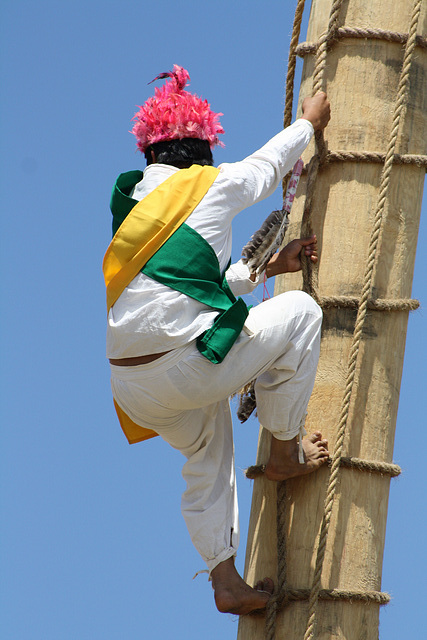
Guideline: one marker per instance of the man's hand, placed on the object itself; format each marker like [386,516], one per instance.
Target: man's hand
[318,110]
[288,260]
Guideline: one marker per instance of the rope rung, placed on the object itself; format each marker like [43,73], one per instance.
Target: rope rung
[375,597]
[305,48]
[372,157]
[374,304]
[358,464]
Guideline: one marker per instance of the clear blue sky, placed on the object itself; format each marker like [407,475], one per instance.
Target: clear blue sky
[93,546]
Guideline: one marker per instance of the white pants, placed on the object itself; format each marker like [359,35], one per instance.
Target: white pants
[184,398]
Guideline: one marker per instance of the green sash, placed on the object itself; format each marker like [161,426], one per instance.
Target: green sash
[187,263]
[150,223]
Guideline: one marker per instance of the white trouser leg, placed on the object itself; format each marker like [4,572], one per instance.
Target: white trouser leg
[284,389]
[209,504]
[205,437]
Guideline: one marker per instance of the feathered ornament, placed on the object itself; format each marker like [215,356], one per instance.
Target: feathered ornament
[247,402]
[256,254]
[173,114]
[269,238]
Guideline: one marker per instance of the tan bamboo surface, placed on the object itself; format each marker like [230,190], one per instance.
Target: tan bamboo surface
[361,78]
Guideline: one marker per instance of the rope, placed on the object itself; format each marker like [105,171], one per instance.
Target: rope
[292,60]
[349,302]
[357,32]
[376,597]
[293,595]
[320,66]
[361,315]
[276,602]
[370,156]
[290,75]
[358,464]
[309,271]
[272,607]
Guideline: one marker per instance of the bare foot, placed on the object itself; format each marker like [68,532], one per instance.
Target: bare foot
[233,595]
[283,462]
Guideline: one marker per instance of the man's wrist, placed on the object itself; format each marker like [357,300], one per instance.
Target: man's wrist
[272,268]
[307,119]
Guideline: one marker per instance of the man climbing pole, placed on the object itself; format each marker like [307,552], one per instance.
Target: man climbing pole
[178,340]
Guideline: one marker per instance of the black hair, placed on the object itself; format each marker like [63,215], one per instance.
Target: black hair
[181,153]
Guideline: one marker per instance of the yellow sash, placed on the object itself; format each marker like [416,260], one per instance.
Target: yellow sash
[150,223]
[146,228]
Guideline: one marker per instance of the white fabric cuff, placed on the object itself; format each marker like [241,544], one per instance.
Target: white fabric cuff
[302,432]
[222,557]
[307,122]
[238,277]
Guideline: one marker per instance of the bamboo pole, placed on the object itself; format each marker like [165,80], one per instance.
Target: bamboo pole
[362,77]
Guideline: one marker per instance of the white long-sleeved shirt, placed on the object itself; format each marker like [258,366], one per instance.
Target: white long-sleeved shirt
[150,317]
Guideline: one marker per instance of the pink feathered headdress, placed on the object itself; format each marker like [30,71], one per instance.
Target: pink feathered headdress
[174,113]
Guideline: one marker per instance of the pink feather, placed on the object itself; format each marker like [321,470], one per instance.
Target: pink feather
[173,113]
